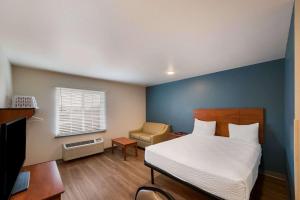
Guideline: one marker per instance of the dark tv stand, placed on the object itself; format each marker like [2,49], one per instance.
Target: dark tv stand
[22,183]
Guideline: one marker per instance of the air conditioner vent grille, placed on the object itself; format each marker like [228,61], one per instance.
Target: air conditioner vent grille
[79,143]
[78,149]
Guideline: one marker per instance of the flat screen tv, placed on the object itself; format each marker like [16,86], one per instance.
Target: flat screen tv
[12,157]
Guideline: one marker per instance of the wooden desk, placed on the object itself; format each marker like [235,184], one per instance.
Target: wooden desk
[45,183]
[124,142]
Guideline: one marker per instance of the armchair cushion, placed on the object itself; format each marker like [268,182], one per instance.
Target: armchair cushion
[135,135]
[141,136]
[146,137]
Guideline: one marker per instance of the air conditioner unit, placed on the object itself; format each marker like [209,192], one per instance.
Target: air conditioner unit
[82,148]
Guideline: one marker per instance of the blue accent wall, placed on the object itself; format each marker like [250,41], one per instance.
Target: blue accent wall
[260,85]
[289,106]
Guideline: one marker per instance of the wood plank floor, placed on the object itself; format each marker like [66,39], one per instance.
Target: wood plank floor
[107,176]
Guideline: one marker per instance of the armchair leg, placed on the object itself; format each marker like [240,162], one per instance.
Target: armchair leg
[152,176]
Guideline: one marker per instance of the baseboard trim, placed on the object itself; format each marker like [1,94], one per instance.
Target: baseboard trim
[275,175]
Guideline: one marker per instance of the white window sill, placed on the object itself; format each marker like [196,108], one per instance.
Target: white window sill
[83,133]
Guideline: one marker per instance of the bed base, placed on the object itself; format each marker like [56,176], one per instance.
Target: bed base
[154,168]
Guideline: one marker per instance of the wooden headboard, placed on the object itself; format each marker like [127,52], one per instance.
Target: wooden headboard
[241,116]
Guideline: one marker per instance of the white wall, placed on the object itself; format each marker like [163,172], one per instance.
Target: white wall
[126,109]
[5,81]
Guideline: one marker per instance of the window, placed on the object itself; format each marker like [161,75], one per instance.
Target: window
[79,111]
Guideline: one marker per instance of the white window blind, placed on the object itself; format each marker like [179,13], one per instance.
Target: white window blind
[79,111]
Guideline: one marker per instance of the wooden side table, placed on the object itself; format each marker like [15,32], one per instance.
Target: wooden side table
[45,183]
[124,142]
[173,135]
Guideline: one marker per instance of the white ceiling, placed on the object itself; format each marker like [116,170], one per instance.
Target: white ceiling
[136,41]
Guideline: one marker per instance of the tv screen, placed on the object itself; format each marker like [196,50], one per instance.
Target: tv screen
[12,154]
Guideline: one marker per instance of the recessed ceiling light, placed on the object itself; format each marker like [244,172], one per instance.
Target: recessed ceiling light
[170,72]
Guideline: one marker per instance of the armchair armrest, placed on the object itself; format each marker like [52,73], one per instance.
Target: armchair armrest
[136,130]
[158,138]
[166,129]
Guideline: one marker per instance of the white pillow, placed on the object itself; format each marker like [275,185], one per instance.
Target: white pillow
[204,128]
[246,133]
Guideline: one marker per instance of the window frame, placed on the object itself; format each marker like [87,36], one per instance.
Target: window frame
[59,135]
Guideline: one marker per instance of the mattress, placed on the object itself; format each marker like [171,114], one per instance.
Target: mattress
[224,167]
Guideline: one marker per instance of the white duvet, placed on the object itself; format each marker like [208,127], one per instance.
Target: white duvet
[224,167]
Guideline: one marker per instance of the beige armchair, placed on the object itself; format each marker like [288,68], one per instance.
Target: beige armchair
[150,133]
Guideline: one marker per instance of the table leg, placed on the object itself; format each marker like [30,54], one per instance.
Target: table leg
[136,150]
[124,153]
[152,176]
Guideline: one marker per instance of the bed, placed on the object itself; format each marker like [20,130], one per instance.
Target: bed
[222,167]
